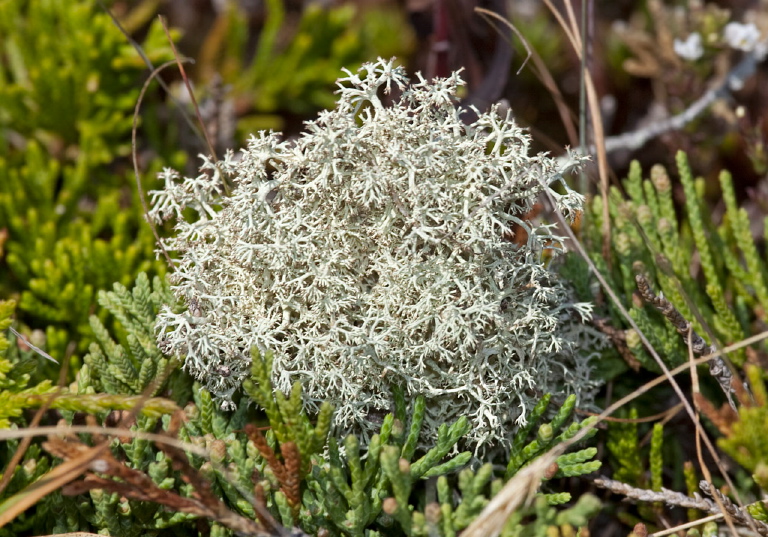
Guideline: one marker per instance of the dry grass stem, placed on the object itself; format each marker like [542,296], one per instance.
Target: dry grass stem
[517,493]
[8,434]
[135,158]
[544,75]
[180,63]
[571,29]
[51,481]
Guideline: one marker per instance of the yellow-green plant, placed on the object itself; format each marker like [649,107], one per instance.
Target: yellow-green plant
[63,246]
[635,465]
[68,208]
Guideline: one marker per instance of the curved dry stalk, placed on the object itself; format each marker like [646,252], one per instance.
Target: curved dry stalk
[180,63]
[571,29]
[148,63]
[8,434]
[518,492]
[136,161]
[543,74]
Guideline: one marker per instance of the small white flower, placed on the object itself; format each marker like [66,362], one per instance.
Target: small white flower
[690,49]
[742,36]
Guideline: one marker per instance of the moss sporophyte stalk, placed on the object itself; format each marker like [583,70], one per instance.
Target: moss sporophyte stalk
[374,250]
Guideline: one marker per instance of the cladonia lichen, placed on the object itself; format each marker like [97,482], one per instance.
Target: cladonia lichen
[381,247]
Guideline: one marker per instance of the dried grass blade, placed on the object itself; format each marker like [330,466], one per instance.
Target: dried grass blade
[53,480]
[544,75]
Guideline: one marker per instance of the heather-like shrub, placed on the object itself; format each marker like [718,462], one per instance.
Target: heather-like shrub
[388,245]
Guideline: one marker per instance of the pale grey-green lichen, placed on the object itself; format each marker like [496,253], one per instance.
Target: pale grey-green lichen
[375,250]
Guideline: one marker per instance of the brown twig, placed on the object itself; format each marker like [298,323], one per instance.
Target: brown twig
[676,499]
[619,340]
[717,367]
[738,514]
[544,75]
[288,473]
[670,497]
[108,474]
[180,63]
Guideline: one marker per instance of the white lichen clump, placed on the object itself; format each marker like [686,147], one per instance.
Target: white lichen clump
[377,250]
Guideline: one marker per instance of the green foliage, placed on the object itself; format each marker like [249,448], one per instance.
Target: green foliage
[655,458]
[649,236]
[16,395]
[349,491]
[758,511]
[68,77]
[68,86]
[135,311]
[459,505]
[569,465]
[298,76]
[624,447]
[358,493]
[135,364]
[639,466]
[353,494]
[15,374]
[62,248]
[287,420]
[102,511]
[546,520]
[33,465]
[745,441]
[447,517]
[691,477]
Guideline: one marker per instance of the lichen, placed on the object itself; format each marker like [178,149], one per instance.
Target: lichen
[387,245]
